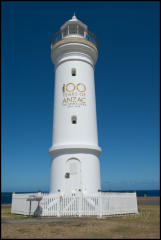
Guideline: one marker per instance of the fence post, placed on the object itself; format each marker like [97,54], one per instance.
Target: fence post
[80,204]
[100,204]
[58,206]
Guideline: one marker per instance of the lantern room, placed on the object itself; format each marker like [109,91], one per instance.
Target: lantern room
[74,28]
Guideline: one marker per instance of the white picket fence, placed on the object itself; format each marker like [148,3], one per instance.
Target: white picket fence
[99,204]
[71,205]
[88,205]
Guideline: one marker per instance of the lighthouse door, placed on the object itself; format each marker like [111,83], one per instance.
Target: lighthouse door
[72,176]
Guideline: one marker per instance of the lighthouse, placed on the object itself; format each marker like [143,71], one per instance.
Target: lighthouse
[75,164]
[75,186]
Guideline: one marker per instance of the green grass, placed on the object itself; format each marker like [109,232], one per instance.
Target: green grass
[6,214]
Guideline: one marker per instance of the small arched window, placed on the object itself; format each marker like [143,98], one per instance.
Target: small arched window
[74,120]
[73,72]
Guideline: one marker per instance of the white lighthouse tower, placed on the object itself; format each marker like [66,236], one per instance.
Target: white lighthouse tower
[75,164]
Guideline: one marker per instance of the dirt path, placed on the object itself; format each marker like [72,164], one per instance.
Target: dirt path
[45,220]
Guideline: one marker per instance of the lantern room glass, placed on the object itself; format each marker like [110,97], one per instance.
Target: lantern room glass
[73,30]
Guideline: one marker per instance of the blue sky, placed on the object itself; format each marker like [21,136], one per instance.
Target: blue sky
[127,91]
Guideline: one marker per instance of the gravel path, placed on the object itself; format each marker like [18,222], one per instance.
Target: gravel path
[43,220]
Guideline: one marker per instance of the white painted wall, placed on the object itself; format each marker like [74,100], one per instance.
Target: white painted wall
[89,172]
[20,205]
[85,131]
[79,141]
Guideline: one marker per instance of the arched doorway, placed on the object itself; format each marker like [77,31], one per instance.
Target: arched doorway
[72,175]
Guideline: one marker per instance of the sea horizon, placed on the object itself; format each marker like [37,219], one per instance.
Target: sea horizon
[6,197]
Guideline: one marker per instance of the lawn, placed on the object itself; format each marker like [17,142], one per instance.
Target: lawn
[144,225]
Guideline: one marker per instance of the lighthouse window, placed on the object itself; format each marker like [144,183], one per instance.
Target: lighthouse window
[67,175]
[73,72]
[81,30]
[74,120]
[72,29]
[65,32]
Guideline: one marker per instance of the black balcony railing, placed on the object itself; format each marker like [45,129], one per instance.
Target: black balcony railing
[87,35]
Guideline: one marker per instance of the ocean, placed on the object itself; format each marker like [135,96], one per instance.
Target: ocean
[6,197]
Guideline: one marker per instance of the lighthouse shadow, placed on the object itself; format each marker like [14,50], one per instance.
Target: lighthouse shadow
[38,211]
